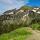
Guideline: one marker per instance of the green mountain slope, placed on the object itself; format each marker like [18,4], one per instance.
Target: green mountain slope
[26,7]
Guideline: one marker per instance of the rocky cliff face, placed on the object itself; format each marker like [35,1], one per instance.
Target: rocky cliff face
[19,17]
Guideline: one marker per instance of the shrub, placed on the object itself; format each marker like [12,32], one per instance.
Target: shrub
[36,26]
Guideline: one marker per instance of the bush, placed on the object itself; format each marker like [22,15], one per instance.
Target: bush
[0,27]
[7,28]
[36,26]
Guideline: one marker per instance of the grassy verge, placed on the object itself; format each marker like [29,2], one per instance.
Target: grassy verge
[18,34]
[36,26]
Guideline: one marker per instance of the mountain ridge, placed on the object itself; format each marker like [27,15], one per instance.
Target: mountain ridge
[20,16]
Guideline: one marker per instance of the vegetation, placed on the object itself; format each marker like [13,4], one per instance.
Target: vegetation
[18,34]
[26,7]
[36,26]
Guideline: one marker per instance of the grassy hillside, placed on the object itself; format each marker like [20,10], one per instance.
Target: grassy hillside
[26,7]
[18,34]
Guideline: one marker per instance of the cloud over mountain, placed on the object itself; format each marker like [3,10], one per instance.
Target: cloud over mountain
[10,4]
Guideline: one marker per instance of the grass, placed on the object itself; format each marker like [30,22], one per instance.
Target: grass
[18,34]
[36,26]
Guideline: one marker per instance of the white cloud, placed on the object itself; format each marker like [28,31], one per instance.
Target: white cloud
[10,4]
[13,2]
[6,1]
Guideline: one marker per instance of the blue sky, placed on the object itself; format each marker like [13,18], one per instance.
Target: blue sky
[11,4]
[34,3]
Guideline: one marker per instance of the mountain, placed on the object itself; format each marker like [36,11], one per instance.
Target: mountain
[24,16]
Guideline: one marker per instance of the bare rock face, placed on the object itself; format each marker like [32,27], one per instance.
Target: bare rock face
[17,17]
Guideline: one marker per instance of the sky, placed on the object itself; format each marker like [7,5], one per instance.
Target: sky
[11,4]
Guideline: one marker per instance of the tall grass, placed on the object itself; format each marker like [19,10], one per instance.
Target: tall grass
[36,26]
[18,34]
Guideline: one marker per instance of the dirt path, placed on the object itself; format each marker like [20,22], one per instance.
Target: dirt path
[35,35]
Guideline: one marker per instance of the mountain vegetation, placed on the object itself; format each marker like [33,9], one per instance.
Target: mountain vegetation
[26,7]
[18,34]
